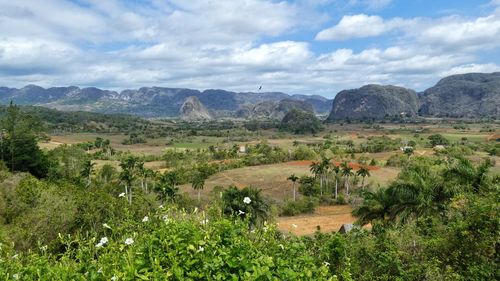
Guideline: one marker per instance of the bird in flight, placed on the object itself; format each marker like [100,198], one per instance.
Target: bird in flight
[260,88]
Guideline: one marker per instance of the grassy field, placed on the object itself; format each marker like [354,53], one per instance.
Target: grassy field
[272,179]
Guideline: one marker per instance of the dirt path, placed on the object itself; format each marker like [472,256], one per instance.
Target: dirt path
[493,137]
[328,218]
[237,184]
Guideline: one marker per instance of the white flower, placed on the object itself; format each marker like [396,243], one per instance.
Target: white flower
[160,207]
[15,276]
[205,221]
[129,241]
[247,200]
[325,263]
[145,219]
[165,218]
[294,225]
[105,225]
[281,246]
[122,194]
[201,249]
[240,212]
[113,278]
[102,242]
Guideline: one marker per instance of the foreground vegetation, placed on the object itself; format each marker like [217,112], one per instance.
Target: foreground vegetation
[64,217]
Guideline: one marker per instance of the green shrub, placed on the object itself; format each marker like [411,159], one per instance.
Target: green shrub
[173,245]
[305,206]
[303,152]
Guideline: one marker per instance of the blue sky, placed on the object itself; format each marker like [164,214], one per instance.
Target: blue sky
[299,47]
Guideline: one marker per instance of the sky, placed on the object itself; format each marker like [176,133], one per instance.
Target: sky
[297,47]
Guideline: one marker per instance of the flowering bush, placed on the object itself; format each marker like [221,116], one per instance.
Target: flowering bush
[185,247]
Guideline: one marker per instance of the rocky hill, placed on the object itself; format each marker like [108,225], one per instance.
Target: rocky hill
[193,110]
[374,101]
[465,95]
[273,110]
[147,101]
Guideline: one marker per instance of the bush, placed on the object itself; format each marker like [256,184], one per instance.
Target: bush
[397,160]
[304,206]
[174,245]
[303,152]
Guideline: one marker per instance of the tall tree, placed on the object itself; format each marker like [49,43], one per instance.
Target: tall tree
[327,168]
[106,173]
[363,172]
[347,173]
[198,183]
[293,178]
[462,173]
[86,172]
[318,169]
[128,175]
[19,143]
[336,172]
[167,188]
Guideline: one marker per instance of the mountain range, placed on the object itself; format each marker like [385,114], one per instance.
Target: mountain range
[465,95]
[149,101]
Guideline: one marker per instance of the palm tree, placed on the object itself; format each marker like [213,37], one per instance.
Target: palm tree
[148,173]
[256,211]
[376,206]
[141,171]
[327,166]
[86,173]
[293,178]
[106,173]
[346,172]
[318,169]
[336,171]
[363,172]
[418,191]
[462,173]
[127,175]
[167,188]
[198,183]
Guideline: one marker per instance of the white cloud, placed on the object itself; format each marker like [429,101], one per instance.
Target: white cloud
[280,54]
[359,26]
[469,68]
[235,45]
[458,33]
[23,53]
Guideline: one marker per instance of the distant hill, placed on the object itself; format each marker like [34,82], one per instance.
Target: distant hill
[464,95]
[273,110]
[193,110]
[147,101]
[80,120]
[374,102]
[472,95]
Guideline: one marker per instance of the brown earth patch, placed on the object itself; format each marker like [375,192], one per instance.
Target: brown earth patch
[326,219]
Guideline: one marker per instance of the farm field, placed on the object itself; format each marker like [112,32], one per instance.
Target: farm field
[325,219]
